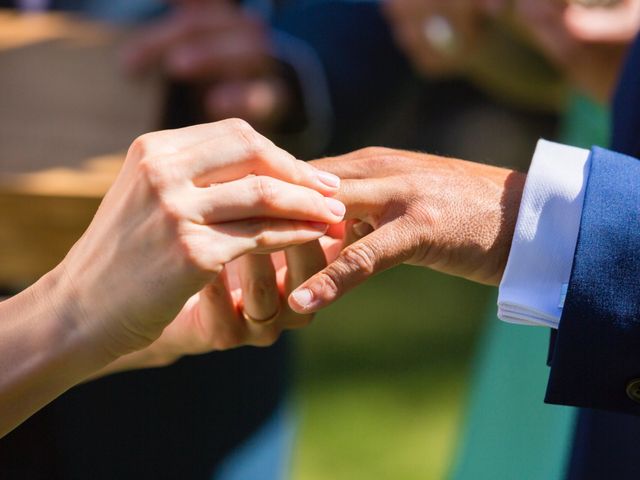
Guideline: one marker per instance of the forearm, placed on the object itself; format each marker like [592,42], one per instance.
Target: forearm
[153,356]
[44,350]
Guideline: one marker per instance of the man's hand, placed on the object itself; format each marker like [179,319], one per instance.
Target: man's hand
[587,43]
[438,36]
[450,215]
[222,50]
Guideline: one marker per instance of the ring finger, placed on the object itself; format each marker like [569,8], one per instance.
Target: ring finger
[261,299]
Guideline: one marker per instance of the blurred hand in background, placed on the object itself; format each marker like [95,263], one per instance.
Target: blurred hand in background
[587,43]
[224,50]
[437,35]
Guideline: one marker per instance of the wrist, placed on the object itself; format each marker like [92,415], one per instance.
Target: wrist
[45,349]
[73,326]
[510,207]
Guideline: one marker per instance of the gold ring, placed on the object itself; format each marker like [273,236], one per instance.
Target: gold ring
[261,321]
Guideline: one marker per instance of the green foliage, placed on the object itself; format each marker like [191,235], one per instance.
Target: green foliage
[381,378]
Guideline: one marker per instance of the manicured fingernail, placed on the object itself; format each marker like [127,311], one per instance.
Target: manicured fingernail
[336,206]
[303,297]
[328,179]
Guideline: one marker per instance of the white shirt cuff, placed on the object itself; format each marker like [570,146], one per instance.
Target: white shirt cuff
[536,278]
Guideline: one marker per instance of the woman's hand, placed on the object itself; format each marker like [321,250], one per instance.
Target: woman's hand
[244,305]
[186,203]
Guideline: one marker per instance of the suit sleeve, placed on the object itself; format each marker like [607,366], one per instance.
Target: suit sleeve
[595,361]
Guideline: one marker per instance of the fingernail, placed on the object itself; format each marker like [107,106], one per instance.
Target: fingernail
[328,179]
[303,297]
[336,206]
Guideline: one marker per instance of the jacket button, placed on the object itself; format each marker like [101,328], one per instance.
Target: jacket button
[633,390]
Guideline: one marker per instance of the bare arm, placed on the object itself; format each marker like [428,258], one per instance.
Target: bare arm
[148,272]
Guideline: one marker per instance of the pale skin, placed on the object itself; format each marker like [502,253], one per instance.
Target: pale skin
[146,282]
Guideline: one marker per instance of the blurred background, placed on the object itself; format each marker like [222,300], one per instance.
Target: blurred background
[382,378]
[409,377]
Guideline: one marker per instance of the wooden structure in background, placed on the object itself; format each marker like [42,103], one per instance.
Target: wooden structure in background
[67,116]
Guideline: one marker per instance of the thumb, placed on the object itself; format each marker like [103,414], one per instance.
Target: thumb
[384,248]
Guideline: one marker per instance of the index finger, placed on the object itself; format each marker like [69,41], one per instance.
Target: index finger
[223,151]
[242,151]
[378,251]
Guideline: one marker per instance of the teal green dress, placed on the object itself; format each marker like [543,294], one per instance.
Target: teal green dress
[509,432]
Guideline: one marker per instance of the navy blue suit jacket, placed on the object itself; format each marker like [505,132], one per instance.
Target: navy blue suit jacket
[597,347]
[596,351]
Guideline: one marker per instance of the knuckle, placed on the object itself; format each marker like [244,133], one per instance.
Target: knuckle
[261,288]
[378,158]
[254,144]
[238,125]
[265,191]
[141,147]
[170,209]
[300,171]
[262,232]
[245,134]
[197,257]
[375,152]
[330,282]
[215,290]
[359,257]
[157,174]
